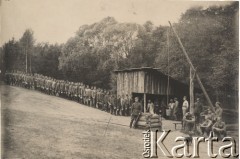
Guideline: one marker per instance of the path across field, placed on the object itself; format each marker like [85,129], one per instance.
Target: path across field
[37,125]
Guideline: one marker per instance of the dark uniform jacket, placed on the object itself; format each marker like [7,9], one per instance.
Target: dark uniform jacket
[198,108]
[136,108]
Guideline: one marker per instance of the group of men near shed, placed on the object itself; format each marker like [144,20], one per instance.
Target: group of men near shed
[210,120]
[205,119]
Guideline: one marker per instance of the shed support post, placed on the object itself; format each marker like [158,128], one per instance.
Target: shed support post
[191,91]
[144,102]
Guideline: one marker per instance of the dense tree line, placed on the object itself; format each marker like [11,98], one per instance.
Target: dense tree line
[210,36]
[26,56]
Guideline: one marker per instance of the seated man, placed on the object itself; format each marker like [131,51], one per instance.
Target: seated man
[211,115]
[188,121]
[219,128]
[206,125]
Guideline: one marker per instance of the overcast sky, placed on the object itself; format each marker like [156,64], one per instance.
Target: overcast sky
[55,21]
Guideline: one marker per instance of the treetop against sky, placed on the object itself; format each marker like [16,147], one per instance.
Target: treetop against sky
[55,21]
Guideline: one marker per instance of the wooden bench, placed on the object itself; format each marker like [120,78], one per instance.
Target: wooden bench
[178,123]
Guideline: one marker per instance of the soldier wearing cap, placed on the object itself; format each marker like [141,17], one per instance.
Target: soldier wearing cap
[135,111]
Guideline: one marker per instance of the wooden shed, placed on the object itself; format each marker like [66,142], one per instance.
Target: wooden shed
[149,83]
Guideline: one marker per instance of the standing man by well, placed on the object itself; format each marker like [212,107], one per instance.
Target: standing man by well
[185,105]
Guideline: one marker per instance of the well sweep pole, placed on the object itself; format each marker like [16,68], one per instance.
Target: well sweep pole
[192,67]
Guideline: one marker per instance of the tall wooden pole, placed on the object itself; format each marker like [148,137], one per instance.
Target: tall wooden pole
[30,62]
[191,90]
[26,60]
[168,66]
[145,102]
[192,67]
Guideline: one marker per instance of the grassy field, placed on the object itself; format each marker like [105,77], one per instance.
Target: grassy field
[35,125]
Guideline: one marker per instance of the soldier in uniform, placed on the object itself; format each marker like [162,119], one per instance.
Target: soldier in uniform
[135,111]
[57,88]
[46,83]
[127,105]
[78,92]
[7,78]
[118,106]
[24,81]
[115,105]
[112,103]
[122,108]
[41,81]
[36,82]
[105,100]
[70,90]
[66,90]
[62,88]
[90,97]
[82,93]
[33,82]
[94,96]
[52,86]
[99,98]
[19,79]
[87,96]
[75,91]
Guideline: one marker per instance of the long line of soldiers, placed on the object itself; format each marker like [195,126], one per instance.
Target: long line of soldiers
[91,96]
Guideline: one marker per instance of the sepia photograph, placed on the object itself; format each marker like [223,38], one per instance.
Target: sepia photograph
[119,79]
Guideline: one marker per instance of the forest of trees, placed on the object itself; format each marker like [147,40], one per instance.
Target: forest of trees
[210,36]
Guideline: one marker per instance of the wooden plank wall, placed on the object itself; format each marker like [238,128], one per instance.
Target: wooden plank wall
[128,82]
[147,82]
[157,84]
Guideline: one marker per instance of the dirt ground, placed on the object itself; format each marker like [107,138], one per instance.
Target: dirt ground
[35,125]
